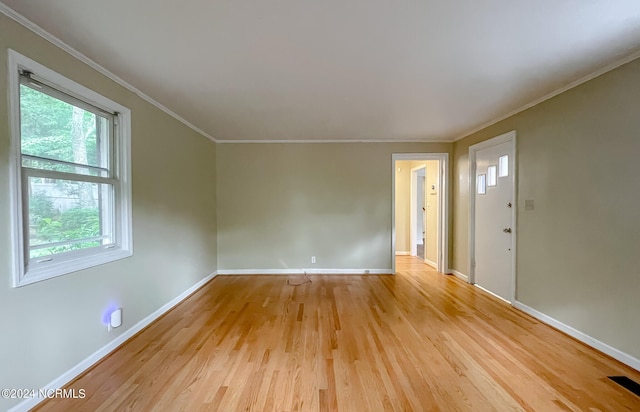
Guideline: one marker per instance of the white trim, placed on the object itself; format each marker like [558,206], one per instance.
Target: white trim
[443,199]
[225,272]
[503,138]
[492,294]
[416,156]
[27,272]
[61,82]
[431,263]
[581,336]
[15,172]
[599,72]
[403,253]
[316,141]
[443,222]
[65,267]
[459,275]
[98,355]
[18,18]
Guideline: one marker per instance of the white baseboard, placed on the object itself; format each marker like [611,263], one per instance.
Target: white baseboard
[431,263]
[459,275]
[493,294]
[582,337]
[405,253]
[72,373]
[302,271]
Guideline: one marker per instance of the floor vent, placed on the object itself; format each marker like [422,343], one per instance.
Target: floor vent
[627,383]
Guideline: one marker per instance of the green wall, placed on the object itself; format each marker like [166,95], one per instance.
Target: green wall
[577,157]
[49,327]
[280,204]
[199,207]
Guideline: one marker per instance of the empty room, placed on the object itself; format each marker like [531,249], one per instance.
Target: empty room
[319,206]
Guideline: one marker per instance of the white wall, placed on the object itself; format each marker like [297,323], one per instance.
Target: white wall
[403,205]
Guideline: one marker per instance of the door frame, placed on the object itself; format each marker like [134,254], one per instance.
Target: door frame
[413,211]
[443,203]
[503,138]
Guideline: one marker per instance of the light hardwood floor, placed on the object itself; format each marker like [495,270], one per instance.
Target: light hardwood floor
[417,341]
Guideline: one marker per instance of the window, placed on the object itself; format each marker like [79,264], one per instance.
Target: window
[503,166]
[70,163]
[491,176]
[482,184]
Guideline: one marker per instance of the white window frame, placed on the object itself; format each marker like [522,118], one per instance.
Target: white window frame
[62,264]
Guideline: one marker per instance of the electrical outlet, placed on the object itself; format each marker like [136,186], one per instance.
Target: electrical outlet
[313,259]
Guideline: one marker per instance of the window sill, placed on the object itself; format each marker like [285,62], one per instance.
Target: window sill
[68,266]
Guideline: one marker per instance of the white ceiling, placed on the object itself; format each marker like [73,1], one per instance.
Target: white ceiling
[343,69]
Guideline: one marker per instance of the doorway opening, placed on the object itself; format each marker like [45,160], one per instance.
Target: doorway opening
[418,214]
[420,208]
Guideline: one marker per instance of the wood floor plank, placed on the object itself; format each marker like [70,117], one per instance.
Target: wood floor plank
[416,341]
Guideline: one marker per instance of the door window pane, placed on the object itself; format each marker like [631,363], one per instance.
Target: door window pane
[503,166]
[482,184]
[491,176]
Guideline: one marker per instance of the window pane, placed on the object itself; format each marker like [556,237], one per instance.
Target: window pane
[482,184]
[503,166]
[491,176]
[67,215]
[54,129]
[43,164]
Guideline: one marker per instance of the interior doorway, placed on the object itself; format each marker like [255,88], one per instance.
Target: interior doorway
[419,208]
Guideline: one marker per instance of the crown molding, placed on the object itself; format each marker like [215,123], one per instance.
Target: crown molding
[609,67]
[20,19]
[327,141]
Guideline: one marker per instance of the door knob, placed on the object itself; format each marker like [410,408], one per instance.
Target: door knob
[507,230]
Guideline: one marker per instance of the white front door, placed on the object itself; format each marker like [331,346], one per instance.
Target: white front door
[494,216]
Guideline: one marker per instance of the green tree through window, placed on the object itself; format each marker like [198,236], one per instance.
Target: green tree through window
[60,211]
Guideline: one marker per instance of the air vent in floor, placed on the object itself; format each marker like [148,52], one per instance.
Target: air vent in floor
[627,383]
